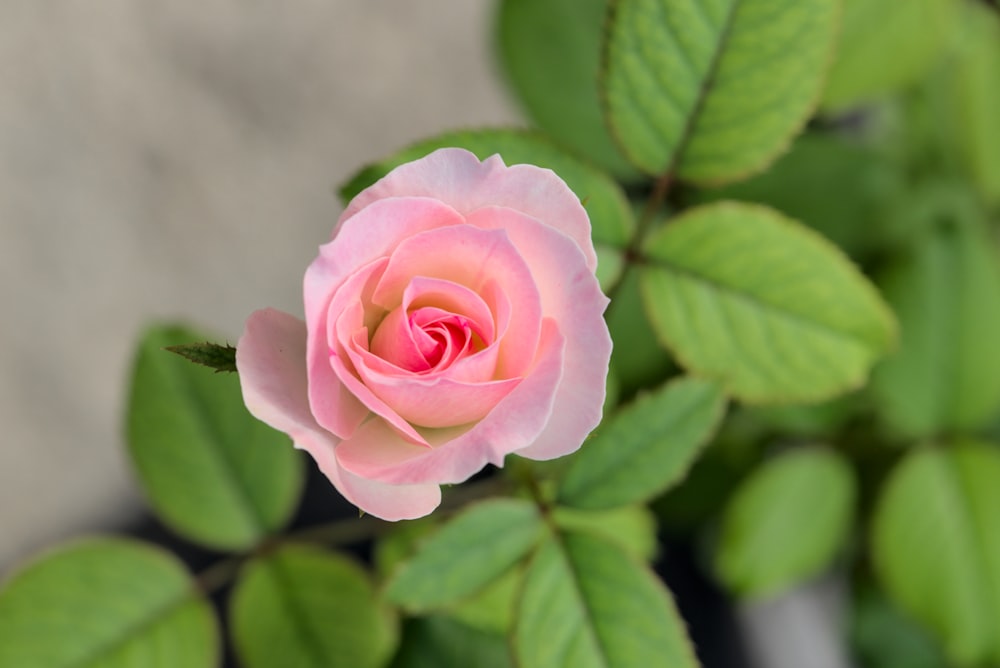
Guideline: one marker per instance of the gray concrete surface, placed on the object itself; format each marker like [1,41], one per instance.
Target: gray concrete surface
[175,160]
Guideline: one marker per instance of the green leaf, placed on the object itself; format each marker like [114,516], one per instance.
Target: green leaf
[836,186]
[786,522]
[304,606]
[744,295]
[587,604]
[936,546]
[609,211]
[946,293]
[105,602]
[211,471]
[713,91]
[886,45]
[441,642]
[632,528]
[551,51]
[212,355]
[976,94]
[645,447]
[465,555]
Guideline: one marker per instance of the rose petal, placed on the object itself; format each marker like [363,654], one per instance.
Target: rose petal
[388,502]
[571,296]
[376,451]
[335,406]
[368,236]
[457,177]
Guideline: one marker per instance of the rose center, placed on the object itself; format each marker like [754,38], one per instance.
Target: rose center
[426,339]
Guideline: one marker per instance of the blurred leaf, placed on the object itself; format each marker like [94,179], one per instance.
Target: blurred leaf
[105,602]
[785,523]
[632,528]
[491,609]
[645,447]
[936,546]
[210,470]
[946,293]
[975,77]
[883,638]
[551,51]
[637,360]
[744,295]
[714,91]
[609,211]
[587,604]
[812,420]
[835,186]
[441,642]
[886,45]
[466,554]
[212,355]
[304,606]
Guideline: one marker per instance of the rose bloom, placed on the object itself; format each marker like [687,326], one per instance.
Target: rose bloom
[454,318]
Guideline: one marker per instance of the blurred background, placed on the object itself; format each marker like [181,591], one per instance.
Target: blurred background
[164,160]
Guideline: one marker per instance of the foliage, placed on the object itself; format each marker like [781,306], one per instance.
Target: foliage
[788,197]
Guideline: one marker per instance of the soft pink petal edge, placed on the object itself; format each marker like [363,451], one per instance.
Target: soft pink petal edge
[458,178]
[271,360]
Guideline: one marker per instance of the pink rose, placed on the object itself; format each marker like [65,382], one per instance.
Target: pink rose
[454,318]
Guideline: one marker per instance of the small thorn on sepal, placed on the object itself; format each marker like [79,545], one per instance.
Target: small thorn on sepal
[212,355]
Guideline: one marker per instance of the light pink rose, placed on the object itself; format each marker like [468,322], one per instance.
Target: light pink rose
[453,319]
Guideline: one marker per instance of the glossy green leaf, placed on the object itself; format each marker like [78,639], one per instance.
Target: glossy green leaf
[465,555]
[742,294]
[714,90]
[306,607]
[551,51]
[210,470]
[632,528]
[786,522]
[441,642]
[886,45]
[587,604]
[645,447]
[946,292]
[105,602]
[609,211]
[975,75]
[936,546]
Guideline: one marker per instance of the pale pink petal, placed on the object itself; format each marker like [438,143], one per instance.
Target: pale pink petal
[437,401]
[271,360]
[369,236]
[572,297]
[376,451]
[335,406]
[388,502]
[458,178]
[270,357]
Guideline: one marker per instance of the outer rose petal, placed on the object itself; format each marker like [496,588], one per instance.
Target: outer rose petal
[572,297]
[270,357]
[456,176]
